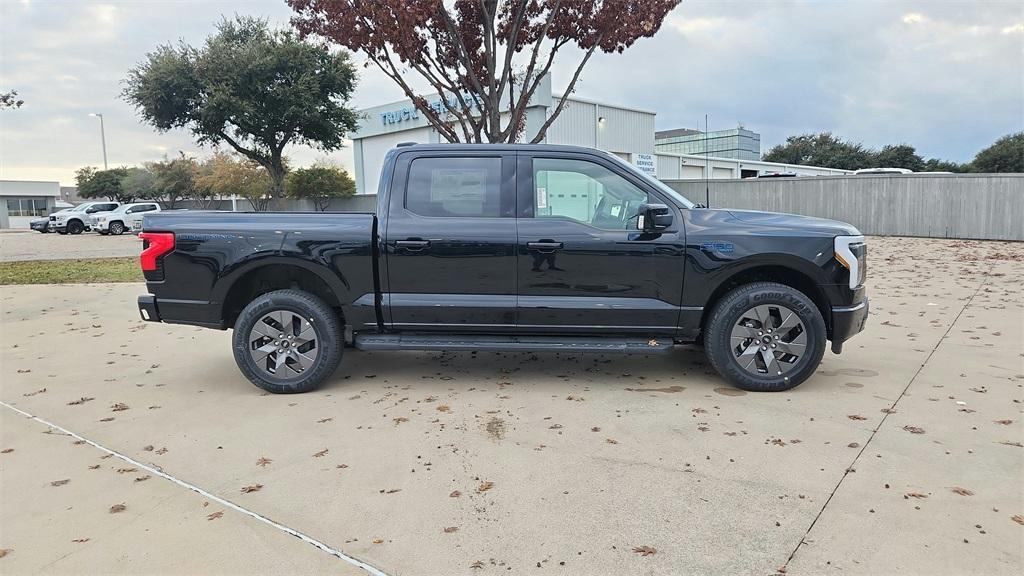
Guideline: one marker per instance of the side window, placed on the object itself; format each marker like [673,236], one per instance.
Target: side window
[585,192]
[455,187]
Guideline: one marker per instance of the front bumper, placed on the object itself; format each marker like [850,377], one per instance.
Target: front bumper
[40,226]
[847,322]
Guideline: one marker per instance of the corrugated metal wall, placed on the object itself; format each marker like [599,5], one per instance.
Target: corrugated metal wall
[623,130]
[976,206]
[575,125]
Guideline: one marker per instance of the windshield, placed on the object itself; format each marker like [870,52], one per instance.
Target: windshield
[79,208]
[661,186]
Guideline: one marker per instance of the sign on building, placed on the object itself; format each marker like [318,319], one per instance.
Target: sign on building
[646,163]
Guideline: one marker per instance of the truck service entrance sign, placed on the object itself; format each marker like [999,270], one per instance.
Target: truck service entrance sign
[646,164]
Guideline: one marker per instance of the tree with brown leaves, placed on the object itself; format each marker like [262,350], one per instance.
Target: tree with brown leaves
[484,58]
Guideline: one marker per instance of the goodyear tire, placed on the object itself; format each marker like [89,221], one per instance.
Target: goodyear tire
[287,341]
[75,227]
[765,337]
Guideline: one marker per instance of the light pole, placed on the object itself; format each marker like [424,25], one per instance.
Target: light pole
[103,137]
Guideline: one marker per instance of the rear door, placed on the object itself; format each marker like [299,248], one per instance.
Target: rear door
[583,265]
[450,238]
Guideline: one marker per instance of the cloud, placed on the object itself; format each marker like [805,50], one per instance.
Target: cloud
[944,76]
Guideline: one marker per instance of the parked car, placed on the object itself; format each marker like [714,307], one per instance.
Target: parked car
[123,218]
[778,175]
[40,224]
[881,171]
[511,248]
[76,220]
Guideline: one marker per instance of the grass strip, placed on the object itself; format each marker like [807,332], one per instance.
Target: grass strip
[75,271]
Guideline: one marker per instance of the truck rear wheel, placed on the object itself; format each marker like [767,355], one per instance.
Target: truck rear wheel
[287,341]
[765,337]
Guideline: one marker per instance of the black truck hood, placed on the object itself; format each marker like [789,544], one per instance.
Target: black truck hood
[782,222]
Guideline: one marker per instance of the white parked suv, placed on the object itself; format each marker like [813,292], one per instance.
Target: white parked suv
[78,219]
[126,217]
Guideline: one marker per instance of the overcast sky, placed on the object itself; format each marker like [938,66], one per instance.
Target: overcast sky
[945,76]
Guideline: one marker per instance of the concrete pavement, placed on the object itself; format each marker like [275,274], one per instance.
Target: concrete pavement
[520,463]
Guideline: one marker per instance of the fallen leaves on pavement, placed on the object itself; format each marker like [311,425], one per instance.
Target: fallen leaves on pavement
[644,550]
[485,486]
[60,482]
[81,400]
[913,429]
[1018,518]
[321,453]
[215,515]
[962,491]
[915,495]
[451,529]
[117,508]
[856,417]
[263,461]
[119,407]
[252,488]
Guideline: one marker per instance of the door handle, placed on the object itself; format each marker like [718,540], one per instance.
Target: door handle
[544,246]
[412,245]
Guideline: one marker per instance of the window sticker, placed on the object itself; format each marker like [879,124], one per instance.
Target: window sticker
[616,210]
[542,197]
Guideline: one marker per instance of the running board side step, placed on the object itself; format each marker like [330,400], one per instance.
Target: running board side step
[512,343]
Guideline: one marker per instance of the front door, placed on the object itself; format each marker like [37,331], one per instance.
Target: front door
[583,265]
[450,238]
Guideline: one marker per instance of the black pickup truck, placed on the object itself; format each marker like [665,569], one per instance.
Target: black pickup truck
[511,248]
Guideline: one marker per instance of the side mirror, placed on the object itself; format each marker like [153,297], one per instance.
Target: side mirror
[653,217]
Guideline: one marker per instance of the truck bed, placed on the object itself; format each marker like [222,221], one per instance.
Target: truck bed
[213,250]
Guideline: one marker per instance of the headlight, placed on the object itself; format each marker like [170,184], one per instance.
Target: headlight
[852,253]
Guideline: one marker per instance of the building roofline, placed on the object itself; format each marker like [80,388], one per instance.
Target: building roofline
[605,104]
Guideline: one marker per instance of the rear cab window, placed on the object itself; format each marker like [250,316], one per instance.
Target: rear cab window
[454,187]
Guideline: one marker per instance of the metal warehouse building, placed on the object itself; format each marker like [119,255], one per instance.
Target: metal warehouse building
[624,131]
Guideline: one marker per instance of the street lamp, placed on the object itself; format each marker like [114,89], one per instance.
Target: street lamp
[103,137]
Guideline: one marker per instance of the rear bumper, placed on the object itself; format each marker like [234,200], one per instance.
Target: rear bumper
[147,308]
[847,322]
[191,312]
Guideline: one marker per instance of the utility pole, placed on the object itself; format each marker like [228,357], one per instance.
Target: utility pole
[103,138]
[707,167]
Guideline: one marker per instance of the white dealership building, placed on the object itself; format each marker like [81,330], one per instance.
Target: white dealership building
[627,132]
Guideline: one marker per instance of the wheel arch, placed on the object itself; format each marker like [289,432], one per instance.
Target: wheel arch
[792,276]
[245,284]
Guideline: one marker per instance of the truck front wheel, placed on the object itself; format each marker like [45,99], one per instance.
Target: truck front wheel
[765,337]
[287,341]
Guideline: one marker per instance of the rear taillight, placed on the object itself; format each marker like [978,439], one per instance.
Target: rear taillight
[155,245]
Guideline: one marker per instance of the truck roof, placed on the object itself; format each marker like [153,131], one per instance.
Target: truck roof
[499,147]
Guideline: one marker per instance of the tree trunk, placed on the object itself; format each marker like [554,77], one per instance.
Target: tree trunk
[276,187]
